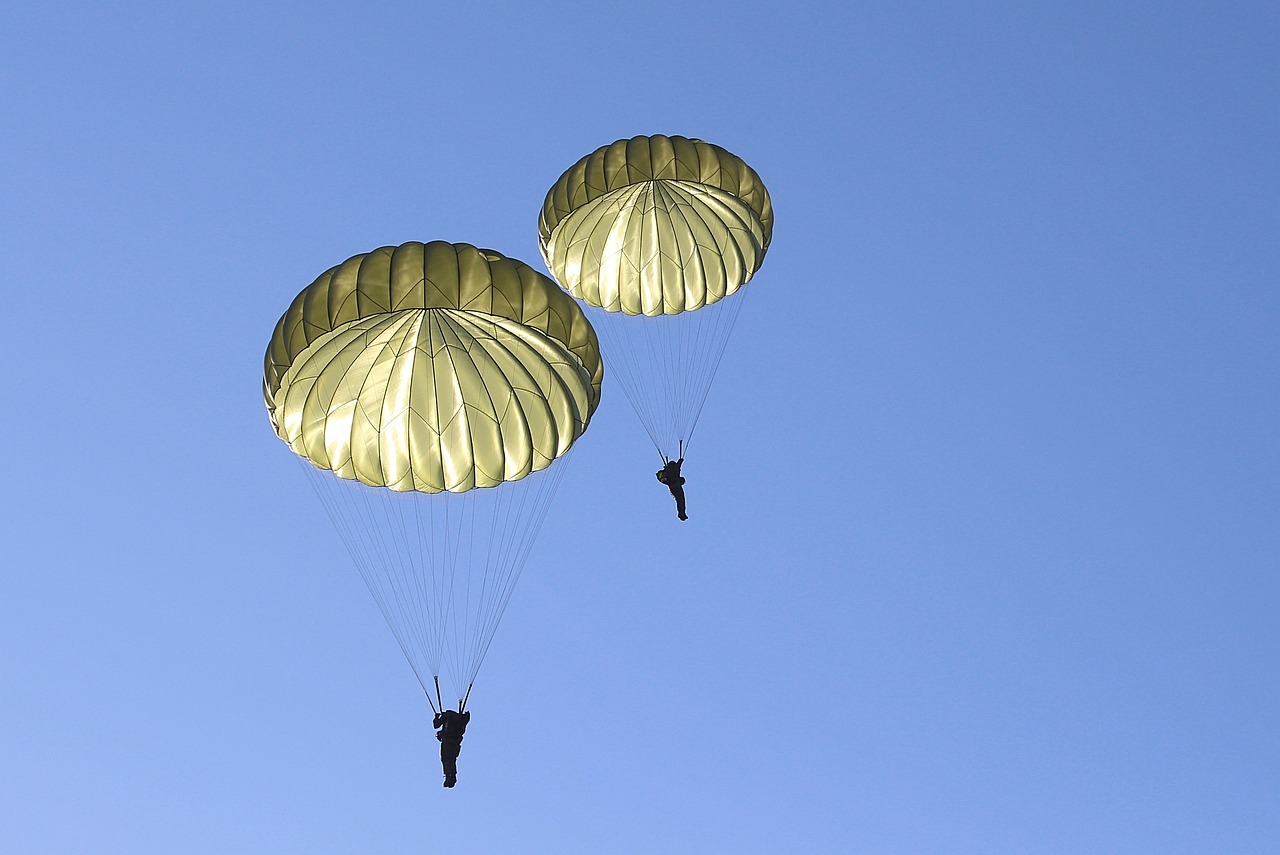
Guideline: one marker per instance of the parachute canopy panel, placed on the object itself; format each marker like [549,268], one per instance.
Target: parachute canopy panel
[656,225]
[432,367]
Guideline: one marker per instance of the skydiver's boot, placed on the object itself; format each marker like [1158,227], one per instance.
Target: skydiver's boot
[450,780]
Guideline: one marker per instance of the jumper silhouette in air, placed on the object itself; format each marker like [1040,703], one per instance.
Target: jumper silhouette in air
[450,726]
[670,475]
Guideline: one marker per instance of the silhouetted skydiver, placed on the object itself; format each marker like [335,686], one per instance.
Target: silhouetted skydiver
[451,725]
[669,474]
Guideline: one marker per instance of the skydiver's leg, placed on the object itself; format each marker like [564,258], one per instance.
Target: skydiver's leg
[449,760]
[678,492]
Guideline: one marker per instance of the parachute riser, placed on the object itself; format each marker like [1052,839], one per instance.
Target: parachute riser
[462,704]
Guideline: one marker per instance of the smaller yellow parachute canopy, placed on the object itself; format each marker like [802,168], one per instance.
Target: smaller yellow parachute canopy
[655,225]
[432,367]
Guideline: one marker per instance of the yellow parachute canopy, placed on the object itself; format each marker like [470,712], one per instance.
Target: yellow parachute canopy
[655,225]
[432,367]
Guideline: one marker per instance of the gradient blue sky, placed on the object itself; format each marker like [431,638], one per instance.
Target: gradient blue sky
[984,541]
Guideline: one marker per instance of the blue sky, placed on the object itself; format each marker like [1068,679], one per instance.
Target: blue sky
[984,539]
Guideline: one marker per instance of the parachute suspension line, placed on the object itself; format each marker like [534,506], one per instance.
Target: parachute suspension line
[440,620]
[359,546]
[460,639]
[666,364]
[478,611]
[437,679]
[420,559]
[623,368]
[449,518]
[635,347]
[398,566]
[449,572]
[501,513]
[517,546]
[454,531]
[446,604]
[715,346]
[391,560]
[495,565]
[431,608]
[661,346]
[412,598]
[632,388]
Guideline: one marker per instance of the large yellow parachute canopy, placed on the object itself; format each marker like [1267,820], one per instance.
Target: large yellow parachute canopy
[655,225]
[416,374]
[432,367]
[658,235]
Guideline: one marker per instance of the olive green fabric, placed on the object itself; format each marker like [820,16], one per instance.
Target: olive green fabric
[655,225]
[432,367]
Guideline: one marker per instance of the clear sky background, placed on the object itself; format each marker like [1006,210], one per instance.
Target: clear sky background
[985,534]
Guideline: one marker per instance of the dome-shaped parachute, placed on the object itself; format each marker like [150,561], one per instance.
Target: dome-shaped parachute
[657,233]
[417,374]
